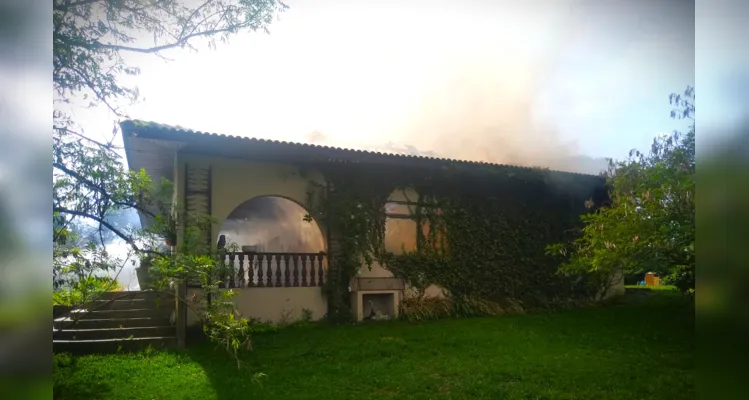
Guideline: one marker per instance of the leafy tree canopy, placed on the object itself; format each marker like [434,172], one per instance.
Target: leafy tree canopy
[92,188]
[649,224]
[91,184]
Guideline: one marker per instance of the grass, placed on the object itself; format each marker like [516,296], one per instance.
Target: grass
[660,287]
[24,309]
[639,349]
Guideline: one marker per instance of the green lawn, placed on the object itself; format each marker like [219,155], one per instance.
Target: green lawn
[642,349]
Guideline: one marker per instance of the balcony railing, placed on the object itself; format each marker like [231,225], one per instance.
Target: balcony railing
[275,269]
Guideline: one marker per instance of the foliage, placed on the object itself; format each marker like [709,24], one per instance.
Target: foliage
[481,233]
[424,308]
[81,272]
[682,277]
[91,36]
[649,225]
[91,287]
[86,232]
[92,188]
[353,215]
[196,261]
[90,183]
[618,351]
[493,247]
[420,308]
[306,317]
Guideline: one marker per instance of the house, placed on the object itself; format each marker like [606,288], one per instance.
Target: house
[257,191]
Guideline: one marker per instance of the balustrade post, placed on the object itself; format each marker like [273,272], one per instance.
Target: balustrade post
[312,274]
[251,269]
[261,261]
[295,270]
[240,273]
[320,270]
[303,266]
[299,269]
[231,267]
[277,257]
[269,272]
[287,274]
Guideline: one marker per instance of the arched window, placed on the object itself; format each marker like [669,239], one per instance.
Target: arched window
[272,224]
[400,227]
[405,217]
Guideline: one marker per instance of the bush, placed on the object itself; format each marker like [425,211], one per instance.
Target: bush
[682,277]
[425,308]
[84,290]
[432,308]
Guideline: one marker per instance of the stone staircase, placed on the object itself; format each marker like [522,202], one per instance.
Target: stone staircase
[119,321]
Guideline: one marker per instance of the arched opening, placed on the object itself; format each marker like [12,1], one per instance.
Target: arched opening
[401,226]
[277,247]
[272,224]
[407,227]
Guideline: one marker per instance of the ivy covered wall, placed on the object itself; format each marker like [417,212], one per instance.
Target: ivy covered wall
[483,230]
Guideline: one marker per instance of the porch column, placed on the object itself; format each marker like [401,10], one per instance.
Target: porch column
[181,313]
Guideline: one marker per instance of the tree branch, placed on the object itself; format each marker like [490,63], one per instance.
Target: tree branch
[65,6]
[192,15]
[101,190]
[58,232]
[98,95]
[82,136]
[179,43]
[123,236]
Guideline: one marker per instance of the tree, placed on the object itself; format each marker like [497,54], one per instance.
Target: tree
[90,37]
[649,224]
[91,186]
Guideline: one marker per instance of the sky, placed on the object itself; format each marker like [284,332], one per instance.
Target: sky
[502,81]
[529,83]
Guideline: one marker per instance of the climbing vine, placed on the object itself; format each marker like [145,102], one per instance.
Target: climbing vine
[352,213]
[481,233]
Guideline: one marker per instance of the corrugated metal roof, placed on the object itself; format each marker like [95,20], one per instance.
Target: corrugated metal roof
[129,126]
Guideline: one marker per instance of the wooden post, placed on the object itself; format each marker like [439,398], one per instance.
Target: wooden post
[180,319]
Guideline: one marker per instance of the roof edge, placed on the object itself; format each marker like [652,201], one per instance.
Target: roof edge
[153,130]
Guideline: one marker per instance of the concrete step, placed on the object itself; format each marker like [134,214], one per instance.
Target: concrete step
[125,295]
[128,304]
[109,323]
[108,346]
[132,313]
[114,333]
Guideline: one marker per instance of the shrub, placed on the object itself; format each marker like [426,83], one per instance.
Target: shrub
[84,290]
[425,308]
[422,308]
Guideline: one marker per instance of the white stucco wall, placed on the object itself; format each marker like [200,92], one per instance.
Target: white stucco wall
[235,181]
[277,305]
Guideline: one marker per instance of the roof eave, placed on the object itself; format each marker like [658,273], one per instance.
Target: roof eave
[261,148]
[130,133]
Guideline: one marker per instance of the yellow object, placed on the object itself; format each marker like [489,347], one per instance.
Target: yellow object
[651,279]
